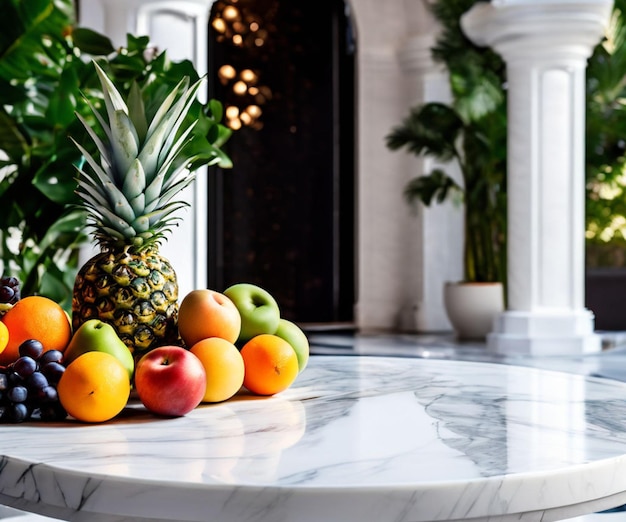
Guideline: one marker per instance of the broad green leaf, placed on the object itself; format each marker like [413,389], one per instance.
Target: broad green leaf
[91,42]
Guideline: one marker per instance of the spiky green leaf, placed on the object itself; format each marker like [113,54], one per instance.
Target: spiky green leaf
[137,112]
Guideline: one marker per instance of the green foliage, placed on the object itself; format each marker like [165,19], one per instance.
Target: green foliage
[46,76]
[470,131]
[476,73]
[606,142]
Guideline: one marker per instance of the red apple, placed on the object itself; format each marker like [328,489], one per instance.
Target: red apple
[170,381]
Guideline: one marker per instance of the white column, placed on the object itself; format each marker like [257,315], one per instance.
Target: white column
[438,254]
[545,44]
[180,28]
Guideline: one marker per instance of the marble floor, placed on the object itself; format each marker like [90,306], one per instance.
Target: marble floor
[609,363]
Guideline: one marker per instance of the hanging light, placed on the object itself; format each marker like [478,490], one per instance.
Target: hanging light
[230,13]
[232,112]
[240,88]
[248,76]
[219,25]
[227,72]
[254,111]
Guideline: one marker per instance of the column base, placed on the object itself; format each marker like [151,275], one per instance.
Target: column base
[544,333]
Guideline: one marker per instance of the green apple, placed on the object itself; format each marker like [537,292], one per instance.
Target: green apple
[258,309]
[292,333]
[97,336]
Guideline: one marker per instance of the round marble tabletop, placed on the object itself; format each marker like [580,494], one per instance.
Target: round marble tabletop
[356,439]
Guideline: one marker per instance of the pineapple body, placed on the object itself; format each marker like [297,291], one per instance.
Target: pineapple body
[134,291]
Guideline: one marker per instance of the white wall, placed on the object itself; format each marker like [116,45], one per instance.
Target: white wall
[403,259]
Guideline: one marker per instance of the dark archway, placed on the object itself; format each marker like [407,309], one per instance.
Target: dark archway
[283,217]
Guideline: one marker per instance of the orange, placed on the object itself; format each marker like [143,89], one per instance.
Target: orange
[4,336]
[223,365]
[94,387]
[35,317]
[205,313]
[271,364]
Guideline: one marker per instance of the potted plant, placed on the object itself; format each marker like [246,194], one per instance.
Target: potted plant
[470,131]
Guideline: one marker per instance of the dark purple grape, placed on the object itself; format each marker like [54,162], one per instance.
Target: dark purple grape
[17,394]
[4,381]
[25,366]
[6,294]
[31,348]
[52,371]
[50,356]
[9,281]
[9,290]
[19,412]
[47,394]
[52,412]
[14,379]
[37,381]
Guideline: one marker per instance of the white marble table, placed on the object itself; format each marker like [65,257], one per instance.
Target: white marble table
[356,439]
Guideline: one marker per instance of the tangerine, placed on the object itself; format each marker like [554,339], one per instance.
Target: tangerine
[35,317]
[205,313]
[223,365]
[94,387]
[271,364]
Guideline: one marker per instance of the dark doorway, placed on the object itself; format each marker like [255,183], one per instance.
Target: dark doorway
[283,217]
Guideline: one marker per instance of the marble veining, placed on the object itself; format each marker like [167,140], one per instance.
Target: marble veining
[355,439]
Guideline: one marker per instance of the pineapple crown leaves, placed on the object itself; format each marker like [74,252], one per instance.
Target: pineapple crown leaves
[143,163]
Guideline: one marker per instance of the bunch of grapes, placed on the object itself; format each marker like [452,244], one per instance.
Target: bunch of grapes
[28,386]
[9,293]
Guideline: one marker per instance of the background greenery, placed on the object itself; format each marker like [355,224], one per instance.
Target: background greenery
[606,146]
[478,85]
[46,76]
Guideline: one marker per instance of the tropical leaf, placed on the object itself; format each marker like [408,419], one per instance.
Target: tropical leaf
[430,130]
[437,185]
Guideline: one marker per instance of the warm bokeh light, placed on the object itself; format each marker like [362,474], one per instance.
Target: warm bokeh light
[240,88]
[232,112]
[248,76]
[242,27]
[254,111]
[219,25]
[227,72]
[230,13]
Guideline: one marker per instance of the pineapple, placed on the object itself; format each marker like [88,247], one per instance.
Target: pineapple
[128,191]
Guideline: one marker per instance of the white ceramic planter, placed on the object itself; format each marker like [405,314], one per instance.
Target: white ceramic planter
[473,307]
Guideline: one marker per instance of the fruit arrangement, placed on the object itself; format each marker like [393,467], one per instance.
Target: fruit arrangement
[127,330]
[227,345]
